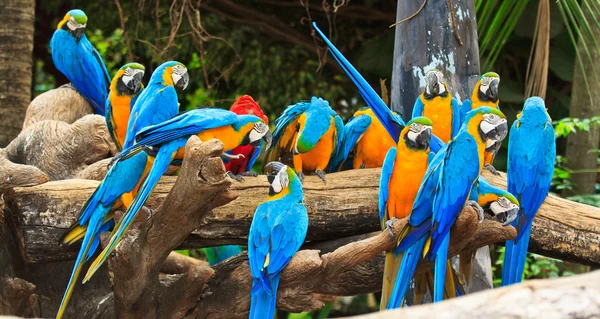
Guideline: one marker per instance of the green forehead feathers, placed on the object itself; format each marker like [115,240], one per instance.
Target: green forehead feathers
[134,65]
[421,120]
[79,16]
[489,75]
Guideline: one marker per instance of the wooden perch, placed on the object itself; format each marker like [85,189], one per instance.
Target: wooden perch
[14,175]
[567,297]
[60,149]
[345,206]
[61,104]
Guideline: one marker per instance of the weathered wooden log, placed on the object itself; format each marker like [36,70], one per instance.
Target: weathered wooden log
[568,297]
[61,104]
[345,206]
[18,297]
[15,175]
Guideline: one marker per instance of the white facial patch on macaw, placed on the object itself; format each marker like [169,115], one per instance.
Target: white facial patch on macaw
[281,180]
[73,25]
[128,76]
[485,84]
[259,130]
[415,130]
[178,72]
[490,121]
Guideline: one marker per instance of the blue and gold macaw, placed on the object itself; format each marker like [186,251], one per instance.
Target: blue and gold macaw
[366,138]
[157,103]
[485,93]
[531,157]
[217,254]
[165,141]
[500,203]
[307,136]
[278,230]
[76,58]
[124,90]
[445,190]
[436,104]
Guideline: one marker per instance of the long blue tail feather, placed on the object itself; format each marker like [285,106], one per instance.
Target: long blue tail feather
[440,269]
[263,304]
[410,259]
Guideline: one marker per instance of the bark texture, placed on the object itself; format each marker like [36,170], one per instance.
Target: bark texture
[61,104]
[16,51]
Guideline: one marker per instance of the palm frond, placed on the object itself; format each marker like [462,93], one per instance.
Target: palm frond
[536,78]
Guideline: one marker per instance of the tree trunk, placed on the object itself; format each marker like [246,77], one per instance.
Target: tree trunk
[16,61]
[436,47]
[583,105]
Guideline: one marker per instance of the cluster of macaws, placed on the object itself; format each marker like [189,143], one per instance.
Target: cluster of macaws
[431,165]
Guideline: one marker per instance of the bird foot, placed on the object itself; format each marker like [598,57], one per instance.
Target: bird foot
[114,160]
[492,169]
[238,178]
[362,165]
[321,175]
[248,173]
[390,226]
[229,156]
[477,208]
[300,176]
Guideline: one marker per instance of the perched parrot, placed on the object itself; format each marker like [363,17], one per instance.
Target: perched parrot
[365,136]
[217,254]
[307,134]
[531,157]
[76,58]
[278,230]
[124,90]
[242,166]
[162,141]
[500,203]
[401,176]
[437,104]
[157,103]
[443,193]
[485,93]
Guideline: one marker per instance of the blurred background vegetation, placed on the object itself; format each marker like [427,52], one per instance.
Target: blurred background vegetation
[265,48]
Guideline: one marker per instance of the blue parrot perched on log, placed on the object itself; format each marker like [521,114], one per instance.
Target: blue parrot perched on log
[307,135]
[531,157]
[215,255]
[437,104]
[124,90]
[165,141]
[157,103]
[76,58]
[443,193]
[278,230]
[366,138]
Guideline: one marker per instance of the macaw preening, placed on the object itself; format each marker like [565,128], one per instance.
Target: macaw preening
[76,58]
[278,230]
[499,203]
[165,141]
[366,138]
[157,103]
[124,90]
[307,135]
[443,193]
[485,93]
[242,166]
[437,104]
[531,157]
[401,175]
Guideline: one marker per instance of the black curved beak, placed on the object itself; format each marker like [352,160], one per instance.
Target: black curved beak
[78,33]
[424,138]
[494,147]
[268,138]
[432,83]
[183,82]
[507,217]
[136,83]
[499,133]
[492,92]
[271,170]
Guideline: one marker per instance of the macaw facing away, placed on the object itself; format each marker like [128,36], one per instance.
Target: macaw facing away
[307,134]
[162,142]
[401,176]
[76,58]
[365,136]
[500,203]
[242,166]
[124,90]
[278,230]
[443,193]
[157,103]
[531,157]
[485,93]
[215,255]
[436,104]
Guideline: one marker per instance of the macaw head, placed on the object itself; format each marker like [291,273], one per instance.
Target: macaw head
[490,123]
[74,22]
[312,125]
[282,178]
[487,87]
[128,79]
[417,133]
[535,111]
[171,73]
[246,105]
[505,208]
[257,131]
[435,84]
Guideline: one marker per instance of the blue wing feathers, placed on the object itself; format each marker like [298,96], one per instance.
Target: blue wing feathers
[384,181]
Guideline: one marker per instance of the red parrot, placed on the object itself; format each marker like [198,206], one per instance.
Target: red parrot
[245,105]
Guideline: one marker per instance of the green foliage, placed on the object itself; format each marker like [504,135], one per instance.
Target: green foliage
[566,126]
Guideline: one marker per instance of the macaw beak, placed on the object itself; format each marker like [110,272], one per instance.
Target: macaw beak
[183,82]
[271,170]
[137,82]
[424,138]
[493,145]
[508,216]
[497,132]
[268,138]
[492,92]
[78,33]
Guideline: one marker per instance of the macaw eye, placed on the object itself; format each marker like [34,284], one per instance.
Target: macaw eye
[491,118]
[416,127]
[73,25]
[504,202]
[178,72]
[440,76]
